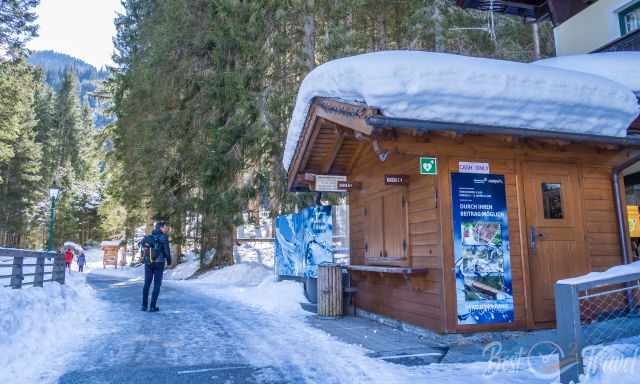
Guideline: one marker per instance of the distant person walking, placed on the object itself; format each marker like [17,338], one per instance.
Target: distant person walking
[82,260]
[156,253]
[68,258]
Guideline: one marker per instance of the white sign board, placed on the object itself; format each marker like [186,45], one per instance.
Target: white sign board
[470,167]
[329,183]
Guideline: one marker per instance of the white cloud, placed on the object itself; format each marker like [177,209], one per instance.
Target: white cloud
[80,28]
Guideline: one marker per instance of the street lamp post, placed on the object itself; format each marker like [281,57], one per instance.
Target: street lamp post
[54,191]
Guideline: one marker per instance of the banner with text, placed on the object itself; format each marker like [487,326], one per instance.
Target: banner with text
[482,251]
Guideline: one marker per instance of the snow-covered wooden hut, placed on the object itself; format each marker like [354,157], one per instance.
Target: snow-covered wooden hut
[473,184]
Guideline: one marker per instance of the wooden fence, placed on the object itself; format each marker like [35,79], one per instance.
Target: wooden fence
[23,262]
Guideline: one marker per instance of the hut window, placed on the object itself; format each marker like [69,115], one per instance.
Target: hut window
[386,226]
[552,200]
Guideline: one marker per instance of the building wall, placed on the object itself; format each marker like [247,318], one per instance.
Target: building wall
[590,29]
[418,299]
[428,300]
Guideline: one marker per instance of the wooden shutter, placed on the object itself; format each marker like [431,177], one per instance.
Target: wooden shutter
[395,225]
[374,232]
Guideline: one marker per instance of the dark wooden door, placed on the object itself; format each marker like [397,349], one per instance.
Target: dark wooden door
[555,232]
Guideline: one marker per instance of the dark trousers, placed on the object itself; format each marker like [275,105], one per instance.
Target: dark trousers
[80,267]
[152,272]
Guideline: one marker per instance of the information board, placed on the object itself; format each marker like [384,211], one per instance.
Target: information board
[481,247]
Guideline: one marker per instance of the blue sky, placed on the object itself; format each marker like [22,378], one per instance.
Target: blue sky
[81,28]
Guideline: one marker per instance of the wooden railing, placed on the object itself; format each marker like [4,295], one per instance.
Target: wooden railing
[35,266]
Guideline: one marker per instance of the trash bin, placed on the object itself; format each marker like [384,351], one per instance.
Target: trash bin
[329,290]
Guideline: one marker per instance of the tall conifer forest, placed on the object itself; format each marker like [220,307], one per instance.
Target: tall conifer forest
[202,93]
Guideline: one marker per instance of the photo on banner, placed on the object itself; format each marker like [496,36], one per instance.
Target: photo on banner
[302,241]
[481,247]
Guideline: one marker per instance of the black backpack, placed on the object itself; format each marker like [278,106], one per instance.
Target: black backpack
[151,248]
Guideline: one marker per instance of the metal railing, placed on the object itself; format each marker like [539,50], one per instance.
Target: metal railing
[594,311]
[38,262]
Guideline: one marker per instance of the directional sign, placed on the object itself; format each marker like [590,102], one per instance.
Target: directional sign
[429,166]
[396,179]
[329,183]
[349,185]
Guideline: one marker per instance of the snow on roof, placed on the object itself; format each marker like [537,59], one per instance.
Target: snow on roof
[460,89]
[616,271]
[111,243]
[622,67]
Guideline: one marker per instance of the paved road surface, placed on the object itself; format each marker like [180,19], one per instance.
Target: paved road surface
[193,339]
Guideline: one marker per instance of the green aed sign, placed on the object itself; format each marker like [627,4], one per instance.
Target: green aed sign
[428,165]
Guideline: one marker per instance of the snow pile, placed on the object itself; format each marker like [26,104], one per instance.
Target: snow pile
[615,363]
[42,328]
[255,285]
[617,271]
[184,270]
[244,274]
[261,252]
[621,67]
[459,89]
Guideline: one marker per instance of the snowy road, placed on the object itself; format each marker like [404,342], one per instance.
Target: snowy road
[198,338]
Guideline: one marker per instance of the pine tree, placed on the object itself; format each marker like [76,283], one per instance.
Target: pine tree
[19,152]
[17,25]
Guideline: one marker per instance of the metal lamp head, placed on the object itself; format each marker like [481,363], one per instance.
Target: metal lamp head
[54,192]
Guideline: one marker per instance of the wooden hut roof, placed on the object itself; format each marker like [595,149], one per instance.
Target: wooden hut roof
[336,133]
[558,10]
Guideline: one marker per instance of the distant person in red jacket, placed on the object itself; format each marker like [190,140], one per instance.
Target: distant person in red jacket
[68,257]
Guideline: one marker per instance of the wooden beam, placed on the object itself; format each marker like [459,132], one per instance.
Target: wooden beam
[356,156]
[300,158]
[331,156]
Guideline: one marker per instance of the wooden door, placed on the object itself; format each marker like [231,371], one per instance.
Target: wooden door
[395,226]
[555,232]
[374,229]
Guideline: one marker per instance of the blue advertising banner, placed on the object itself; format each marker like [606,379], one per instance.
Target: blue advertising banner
[302,241]
[481,248]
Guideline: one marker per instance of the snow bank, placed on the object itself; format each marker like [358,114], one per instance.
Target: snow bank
[615,363]
[256,252]
[41,329]
[245,274]
[459,89]
[184,270]
[255,285]
[621,67]
[617,271]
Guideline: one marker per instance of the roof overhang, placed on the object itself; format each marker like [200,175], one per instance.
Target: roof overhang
[529,9]
[362,121]
[558,10]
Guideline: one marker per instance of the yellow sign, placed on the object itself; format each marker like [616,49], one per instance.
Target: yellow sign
[633,215]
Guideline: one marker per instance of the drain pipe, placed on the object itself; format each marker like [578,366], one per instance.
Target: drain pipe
[617,171]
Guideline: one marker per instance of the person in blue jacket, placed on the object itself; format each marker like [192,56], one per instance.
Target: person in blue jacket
[156,253]
[82,260]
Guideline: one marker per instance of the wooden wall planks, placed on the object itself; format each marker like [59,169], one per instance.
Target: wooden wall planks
[429,300]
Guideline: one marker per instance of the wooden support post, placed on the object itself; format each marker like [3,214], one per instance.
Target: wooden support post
[330,290]
[16,272]
[58,273]
[38,279]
